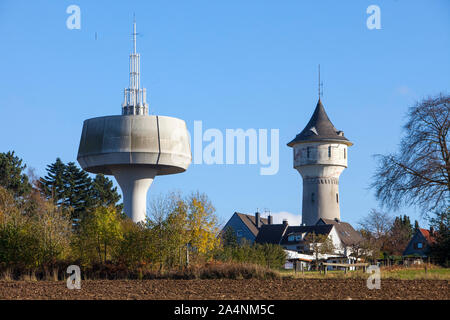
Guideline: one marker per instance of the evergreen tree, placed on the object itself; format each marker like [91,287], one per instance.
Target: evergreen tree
[12,177]
[440,248]
[78,186]
[72,189]
[399,235]
[104,193]
[53,185]
[229,237]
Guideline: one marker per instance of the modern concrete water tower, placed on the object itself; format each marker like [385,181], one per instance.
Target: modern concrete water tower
[134,147]
[320,156]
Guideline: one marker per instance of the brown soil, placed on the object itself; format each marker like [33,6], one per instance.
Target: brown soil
[298,289]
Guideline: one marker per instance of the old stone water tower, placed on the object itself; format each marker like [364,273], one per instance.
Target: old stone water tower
[320,156]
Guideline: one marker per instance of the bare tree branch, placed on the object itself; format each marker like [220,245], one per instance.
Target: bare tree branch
[419,173]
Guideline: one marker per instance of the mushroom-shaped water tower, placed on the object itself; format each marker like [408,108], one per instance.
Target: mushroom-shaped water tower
[134,147]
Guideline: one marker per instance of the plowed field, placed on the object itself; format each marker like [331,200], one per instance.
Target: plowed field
[298,289]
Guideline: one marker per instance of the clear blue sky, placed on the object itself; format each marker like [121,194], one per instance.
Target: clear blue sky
[232,64]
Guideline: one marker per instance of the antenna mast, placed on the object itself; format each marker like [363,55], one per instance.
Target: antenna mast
[135,98]
[320,86]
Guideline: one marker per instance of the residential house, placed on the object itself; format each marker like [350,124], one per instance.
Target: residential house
[247,226]
[293,238]
[418,247]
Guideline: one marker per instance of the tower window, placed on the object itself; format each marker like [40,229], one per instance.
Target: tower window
[308,152]
[329,151]
[312,197]
[345,153]
[337,198]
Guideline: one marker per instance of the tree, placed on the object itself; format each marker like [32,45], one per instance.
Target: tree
[416,225]
[53,229]
[11,174]
[8,204]
[36,239]
[99,236]
[202,223]
[135,248]
[176,221]
[399,235]
[104,193]
[160,209]
[440,248]
[229,238]
[53,185]
[274,255]
[73,190]
[361,249]
[77,190]
[375,229]
[419,173]
[319,244]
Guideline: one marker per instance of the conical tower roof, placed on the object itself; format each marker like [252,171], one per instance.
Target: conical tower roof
[319,128]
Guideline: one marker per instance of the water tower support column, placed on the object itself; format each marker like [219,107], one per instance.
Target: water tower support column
[135,182]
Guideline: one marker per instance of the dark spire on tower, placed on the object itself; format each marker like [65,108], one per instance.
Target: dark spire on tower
[319,128]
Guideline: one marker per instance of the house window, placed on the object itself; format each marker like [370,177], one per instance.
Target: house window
[308,152]
[337,198]
[418,245]
[329,151]
[312,197]
[239,233]
[291,238]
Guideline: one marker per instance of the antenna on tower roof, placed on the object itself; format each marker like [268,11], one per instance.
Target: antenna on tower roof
[134,96]
[134,33]
[320,86]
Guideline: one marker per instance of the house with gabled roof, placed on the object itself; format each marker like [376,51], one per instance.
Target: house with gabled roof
[246,226]
[418,247]
[348,236]
[293,238]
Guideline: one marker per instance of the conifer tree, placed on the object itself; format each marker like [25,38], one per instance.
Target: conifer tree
[229,238]
[78,189]
[12,177]
[72,189]
[53,185]
[104,193]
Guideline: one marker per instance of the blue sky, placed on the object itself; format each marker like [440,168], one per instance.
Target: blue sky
[232,64]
